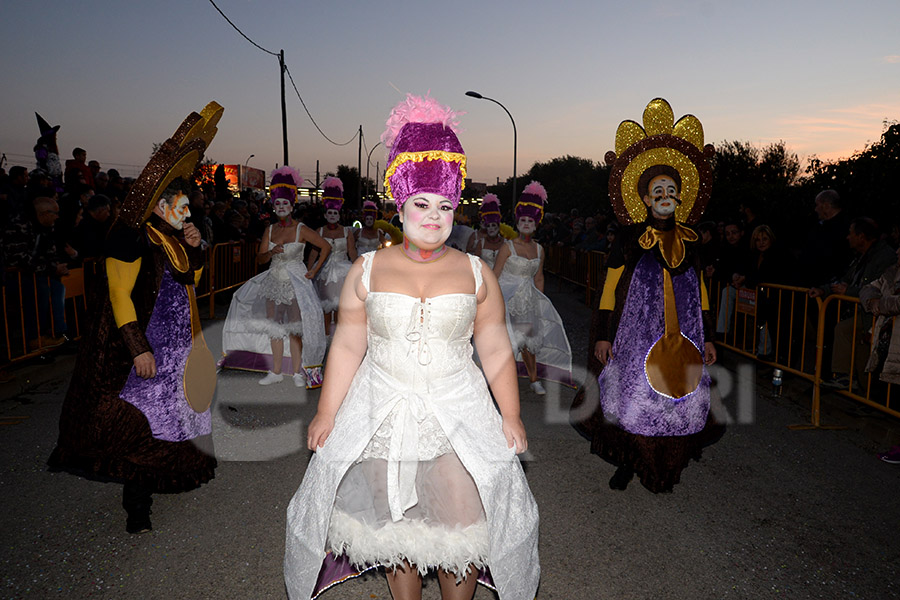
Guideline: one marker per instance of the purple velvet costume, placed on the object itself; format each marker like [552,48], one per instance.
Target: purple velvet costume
[161,398]
[625,392]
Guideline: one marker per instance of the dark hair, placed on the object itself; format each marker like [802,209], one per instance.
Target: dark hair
[655,171]
[97,201]
[865,227]
[17,171]
[831,197]
[78,151]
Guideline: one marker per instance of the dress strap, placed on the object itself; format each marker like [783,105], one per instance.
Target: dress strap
[539,249]
[367,269]
[512,248]
[476,270]
[297,236]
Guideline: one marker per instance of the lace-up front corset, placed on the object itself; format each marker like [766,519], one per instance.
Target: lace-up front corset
[417,341]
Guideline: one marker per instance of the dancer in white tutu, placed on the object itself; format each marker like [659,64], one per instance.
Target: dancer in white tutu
[343,251]
[487,241]
[535,328]
[281,302]
[369,238]
[415,471]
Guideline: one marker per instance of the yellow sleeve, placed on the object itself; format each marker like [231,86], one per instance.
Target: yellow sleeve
[121,276]
[704,294]
[197,275]
[608,298]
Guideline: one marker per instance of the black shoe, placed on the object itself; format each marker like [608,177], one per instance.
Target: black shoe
[137,501]
[621,478]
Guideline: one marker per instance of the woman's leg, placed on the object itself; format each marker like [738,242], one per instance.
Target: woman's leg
[405,583]
[297,353]
[530,365]
[277,355]
[450,590]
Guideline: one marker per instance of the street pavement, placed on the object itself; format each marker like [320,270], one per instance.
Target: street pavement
[769,512]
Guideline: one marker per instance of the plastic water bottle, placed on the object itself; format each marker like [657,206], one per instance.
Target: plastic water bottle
[777,375]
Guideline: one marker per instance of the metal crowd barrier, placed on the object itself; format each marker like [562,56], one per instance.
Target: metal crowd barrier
[28,330]
[777,325]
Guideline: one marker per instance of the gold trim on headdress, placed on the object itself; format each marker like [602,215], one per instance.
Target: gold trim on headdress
[177,157]
[443,155]
[661,141]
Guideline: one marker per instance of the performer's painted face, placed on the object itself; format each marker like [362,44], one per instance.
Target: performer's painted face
[492,229]
[332,216]
[427,220]
[662,196]
[176,211]
[369,220]
[282,207]
[526,225]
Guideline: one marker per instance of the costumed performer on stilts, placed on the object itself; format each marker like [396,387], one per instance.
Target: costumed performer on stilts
[343,252]
[368,238]
[653,330]
[414,469]
[137,408]
[280,302]
[535,328]
[487,241]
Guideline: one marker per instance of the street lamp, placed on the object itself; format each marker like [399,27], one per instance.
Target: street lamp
[248,159]
[368,162]
[472,94]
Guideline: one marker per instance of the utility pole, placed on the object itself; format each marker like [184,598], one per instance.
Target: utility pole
[359,172]
[283,108]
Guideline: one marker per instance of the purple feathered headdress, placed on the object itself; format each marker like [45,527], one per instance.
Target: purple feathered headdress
[532,202]
[490,208]
[333,197]
[284,183]
[424,152]
[370,208]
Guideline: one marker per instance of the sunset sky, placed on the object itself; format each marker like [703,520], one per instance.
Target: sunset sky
[118,76]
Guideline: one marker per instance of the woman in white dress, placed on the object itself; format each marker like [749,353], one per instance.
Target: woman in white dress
[369,238]
[343,251]
[535,328]
[487,241]
[280,302]
[414,469]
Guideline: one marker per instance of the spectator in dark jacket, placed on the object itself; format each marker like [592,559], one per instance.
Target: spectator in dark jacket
[825,256]
[90,234]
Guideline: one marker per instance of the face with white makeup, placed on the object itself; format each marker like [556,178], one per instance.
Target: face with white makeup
[174,210]
[332,216]
[491,229]
[282,207]
[526,225]
[427,220]
[662,197]
[369,220]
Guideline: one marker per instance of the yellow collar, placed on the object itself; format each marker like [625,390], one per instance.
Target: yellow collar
[671,243]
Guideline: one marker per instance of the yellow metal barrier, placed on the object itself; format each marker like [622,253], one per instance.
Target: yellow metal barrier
[230,266]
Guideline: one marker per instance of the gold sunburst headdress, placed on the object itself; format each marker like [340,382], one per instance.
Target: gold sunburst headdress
[660,141]
[177,157]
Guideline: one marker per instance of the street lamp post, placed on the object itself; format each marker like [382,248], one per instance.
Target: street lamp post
[369,162]
[480,97]
[246,162]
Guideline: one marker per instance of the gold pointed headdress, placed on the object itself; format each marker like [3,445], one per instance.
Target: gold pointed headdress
[177,157]
[661,141]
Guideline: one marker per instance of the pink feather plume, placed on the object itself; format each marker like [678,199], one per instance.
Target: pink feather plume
[418,109]
[290,171]
[333,182]
[490,199]
[536,189]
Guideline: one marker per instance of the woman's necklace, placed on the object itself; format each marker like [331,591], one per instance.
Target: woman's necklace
[417,255]
[285,222]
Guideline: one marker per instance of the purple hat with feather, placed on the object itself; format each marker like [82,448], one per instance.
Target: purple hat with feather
[425,154]
[532,202]
[333,197]
[490,209]
[284,184]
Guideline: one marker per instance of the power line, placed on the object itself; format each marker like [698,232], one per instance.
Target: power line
[241,32]
[288,71]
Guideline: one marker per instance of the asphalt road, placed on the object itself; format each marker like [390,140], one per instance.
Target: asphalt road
[768,513]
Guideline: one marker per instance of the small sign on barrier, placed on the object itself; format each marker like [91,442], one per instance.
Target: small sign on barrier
[746,301]
[236,253]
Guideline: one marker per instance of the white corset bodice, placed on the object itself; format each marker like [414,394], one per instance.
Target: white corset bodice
[364,244]
[338,248]
[519,266]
